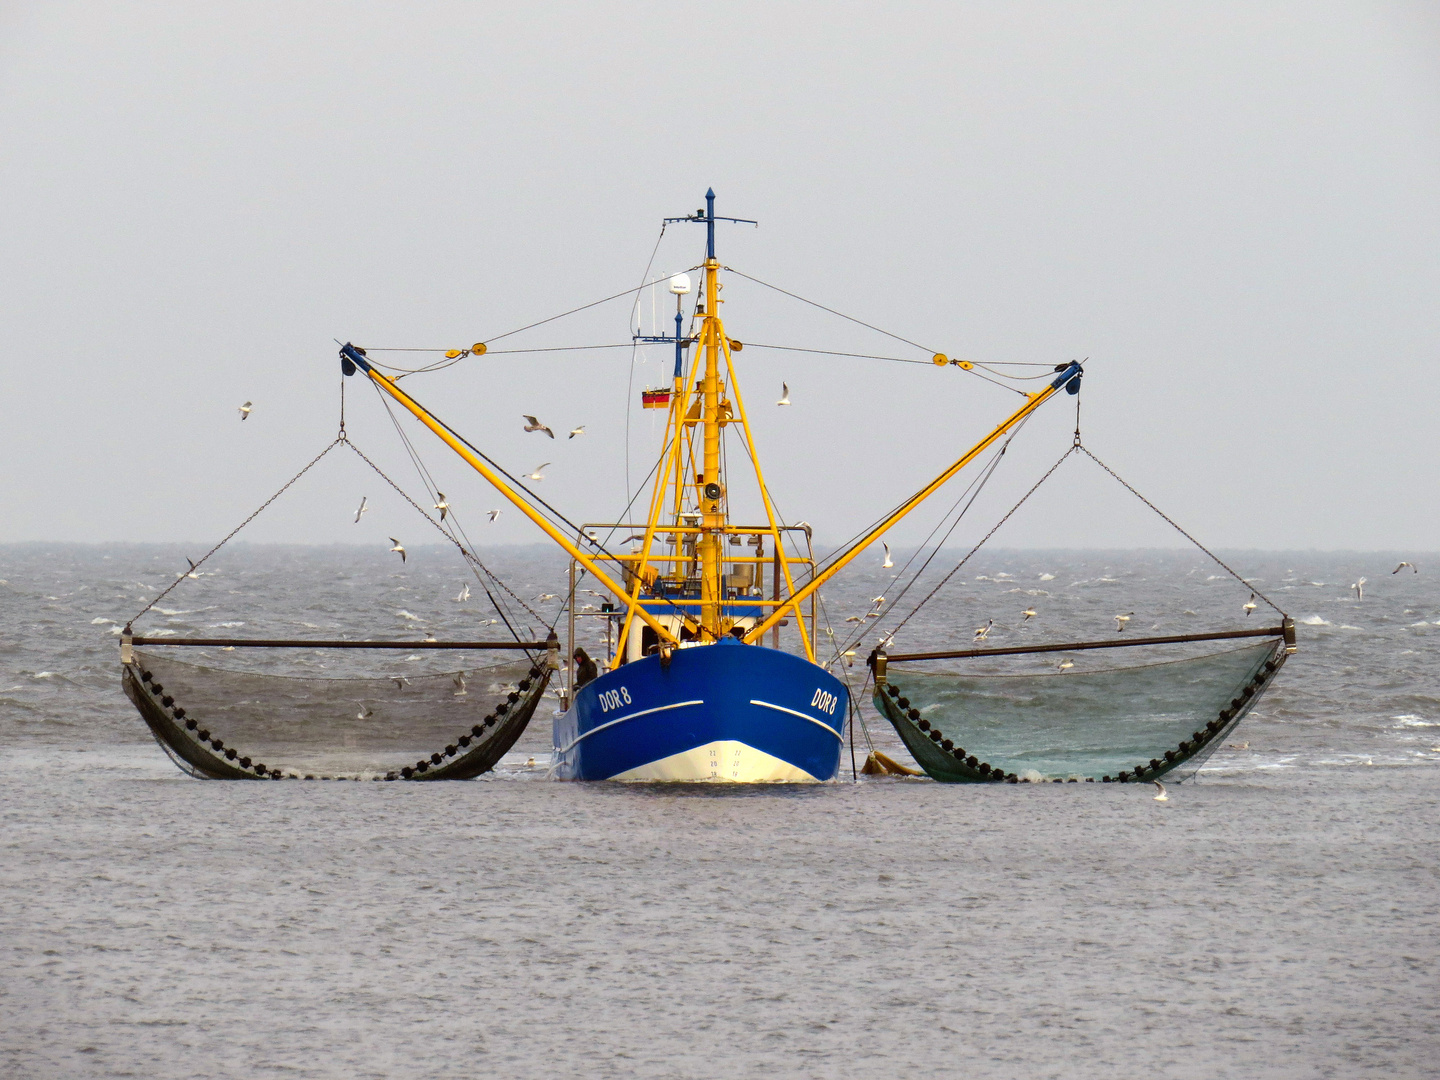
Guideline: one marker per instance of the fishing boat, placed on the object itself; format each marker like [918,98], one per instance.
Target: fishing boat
[696,683]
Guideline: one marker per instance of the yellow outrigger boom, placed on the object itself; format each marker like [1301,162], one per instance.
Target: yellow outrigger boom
[388,385]
[1033,402]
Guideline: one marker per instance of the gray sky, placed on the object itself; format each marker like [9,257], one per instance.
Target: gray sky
[1232,209]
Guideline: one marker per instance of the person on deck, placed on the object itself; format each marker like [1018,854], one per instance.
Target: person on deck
[586,669]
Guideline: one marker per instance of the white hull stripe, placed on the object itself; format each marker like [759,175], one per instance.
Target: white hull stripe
[622,719]
[792,712]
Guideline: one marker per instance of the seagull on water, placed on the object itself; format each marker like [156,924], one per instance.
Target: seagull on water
[1238,745]
[361,512]
[463,595]
[495,514]
[536,475]
[441,504]
[1359,588]
[459,680]
[1250,606]
[983,632]
[245,411]
[1120,621]
[400,681]
[1402,566]
[1029,613]
[577,431]
[784,394]
[1162,797]
[888,563]
[399,548]
[531,424]
[1065,665]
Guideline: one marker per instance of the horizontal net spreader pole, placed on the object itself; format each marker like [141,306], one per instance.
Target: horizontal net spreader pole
[1287,631]
[295,643]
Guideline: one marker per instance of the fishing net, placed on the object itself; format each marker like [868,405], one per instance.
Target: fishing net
[231,724]
[1123,723]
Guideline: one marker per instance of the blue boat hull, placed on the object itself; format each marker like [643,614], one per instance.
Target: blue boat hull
[726,712]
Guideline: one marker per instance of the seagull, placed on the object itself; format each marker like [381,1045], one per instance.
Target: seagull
[1029,613]
[577,431]
[872,614]
[431,636]
[888,563]
[463,594]
[983,632]
[245,411]
[784,394]
[459,680]
[361,512]
[192,567]
[536,475]
[495,514]
[1359,588]
[400,681]
[1402,566]
[1065,665]
[531,424]
[399,548]
[1120,621]
[544,597]
[1248,608]
[365,712]
[1238,745]
[441,504]
[1162,797]
[855,618]
[877,600]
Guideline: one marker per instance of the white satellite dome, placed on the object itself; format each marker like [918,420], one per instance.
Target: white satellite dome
[680,284]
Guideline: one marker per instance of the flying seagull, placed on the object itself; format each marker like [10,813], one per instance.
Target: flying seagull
[1120,621]
[463,594]
[1249,607]
[536,475]
[495,514]
[784,394]
[441,504]
[459,680]
[877,600]
[399,549]
[192,567]
[365,712]
[888,563]
[531,424]
[1162,797]
[1065,665]
[1359,588]
[577,431]
[1029,613]
[1402,566]
[983,632]
[855,618]
[361,512]
[245,411]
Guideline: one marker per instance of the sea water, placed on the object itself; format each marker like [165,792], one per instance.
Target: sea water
[1276,917]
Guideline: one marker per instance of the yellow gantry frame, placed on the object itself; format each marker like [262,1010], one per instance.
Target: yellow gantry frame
[714,526]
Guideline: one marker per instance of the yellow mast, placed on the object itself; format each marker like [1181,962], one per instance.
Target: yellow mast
[709,483]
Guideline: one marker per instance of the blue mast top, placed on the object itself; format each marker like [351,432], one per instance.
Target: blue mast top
[710,223]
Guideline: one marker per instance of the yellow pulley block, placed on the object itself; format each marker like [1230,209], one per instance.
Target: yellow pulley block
[736,346]
[452,354]
[478,349]
[940,359]
[963,365]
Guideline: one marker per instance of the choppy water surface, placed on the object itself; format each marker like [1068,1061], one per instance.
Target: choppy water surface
[1276,918]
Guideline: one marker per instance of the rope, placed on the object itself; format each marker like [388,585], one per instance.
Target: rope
[945,580]
[832,311]
[1218,562]
[195,566]
[469,555]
